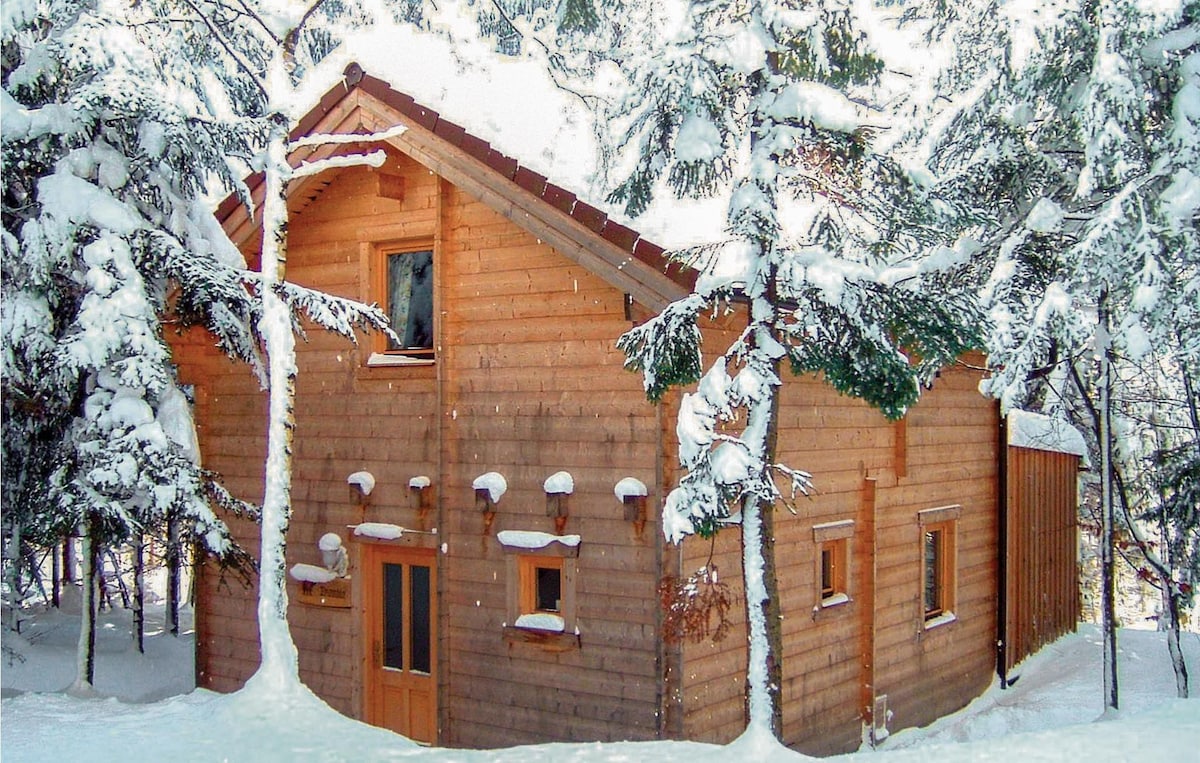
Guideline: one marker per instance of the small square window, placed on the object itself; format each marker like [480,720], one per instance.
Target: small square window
[540,585]
[541,592]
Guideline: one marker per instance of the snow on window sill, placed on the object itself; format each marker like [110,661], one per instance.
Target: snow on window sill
[835,600]
[540,621]
[385,360]
[943,619]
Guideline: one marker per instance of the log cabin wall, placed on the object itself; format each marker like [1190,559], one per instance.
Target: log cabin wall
[1043,550]
[527,382]
[535,385]
[872,472]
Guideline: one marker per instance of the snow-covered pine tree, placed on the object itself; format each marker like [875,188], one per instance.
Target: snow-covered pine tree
[116,124]
[98,220]
[1067,156]
[754,100]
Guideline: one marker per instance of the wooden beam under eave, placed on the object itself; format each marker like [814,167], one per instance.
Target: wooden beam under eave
[569,237]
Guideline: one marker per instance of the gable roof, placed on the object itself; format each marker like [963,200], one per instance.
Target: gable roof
[577,230]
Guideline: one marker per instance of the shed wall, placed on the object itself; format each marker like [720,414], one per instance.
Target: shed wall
[1043,549]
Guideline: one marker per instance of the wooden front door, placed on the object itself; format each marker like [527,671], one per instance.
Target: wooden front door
[399,628]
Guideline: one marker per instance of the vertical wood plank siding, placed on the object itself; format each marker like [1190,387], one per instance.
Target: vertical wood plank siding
[1043,600]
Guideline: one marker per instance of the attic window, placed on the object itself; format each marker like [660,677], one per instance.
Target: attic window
[403,286]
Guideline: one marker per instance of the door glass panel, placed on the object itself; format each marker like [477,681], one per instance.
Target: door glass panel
[419,628]
[393,616]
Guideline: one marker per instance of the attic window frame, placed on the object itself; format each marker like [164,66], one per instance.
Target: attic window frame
[378,260]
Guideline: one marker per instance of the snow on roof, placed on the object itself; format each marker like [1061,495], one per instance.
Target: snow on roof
[515,105]
[629,486]
[330,542]
[365,481]
[1041,432]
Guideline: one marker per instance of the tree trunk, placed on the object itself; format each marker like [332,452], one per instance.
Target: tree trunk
[173,573]
[764,707]
[55,575]
[68,559]
[279,666]
[1108,617]
[13,554]
[139,591]
[1171,610]
[85,652]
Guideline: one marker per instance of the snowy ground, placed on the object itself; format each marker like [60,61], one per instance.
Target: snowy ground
[1047,716]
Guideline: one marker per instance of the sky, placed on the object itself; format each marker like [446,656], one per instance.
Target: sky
[149,711]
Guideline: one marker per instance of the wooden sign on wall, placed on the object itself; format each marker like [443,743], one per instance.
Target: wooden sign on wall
[335,593]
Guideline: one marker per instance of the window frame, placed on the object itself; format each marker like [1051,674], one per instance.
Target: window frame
[521,588]
[528,583]
[382,354]
[943,567]
[835,538]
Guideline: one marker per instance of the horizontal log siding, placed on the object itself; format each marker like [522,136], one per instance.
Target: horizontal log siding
[535,385]
[950,459]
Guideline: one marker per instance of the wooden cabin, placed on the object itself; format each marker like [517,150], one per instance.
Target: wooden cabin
[485,611]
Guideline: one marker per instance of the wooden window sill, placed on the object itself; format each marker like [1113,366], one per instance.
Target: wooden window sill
[937,622]
[550,641]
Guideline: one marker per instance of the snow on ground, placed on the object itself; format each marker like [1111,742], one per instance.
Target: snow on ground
[42,657]
[1046,716]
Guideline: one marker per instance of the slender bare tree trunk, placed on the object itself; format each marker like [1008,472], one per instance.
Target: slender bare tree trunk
[279,658]
[172,560]
[139,591]
[1108,578]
